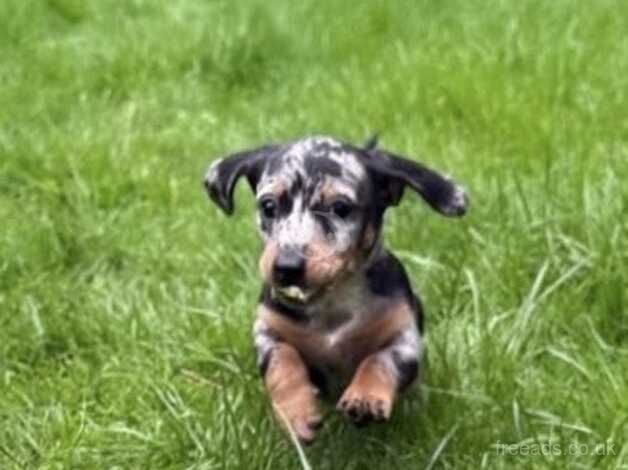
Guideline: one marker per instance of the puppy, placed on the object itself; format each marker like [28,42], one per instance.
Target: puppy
[337,312]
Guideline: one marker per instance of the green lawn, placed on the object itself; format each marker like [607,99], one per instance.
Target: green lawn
[126,298]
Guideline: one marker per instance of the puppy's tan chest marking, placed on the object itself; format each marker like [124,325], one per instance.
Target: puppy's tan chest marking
[337,341]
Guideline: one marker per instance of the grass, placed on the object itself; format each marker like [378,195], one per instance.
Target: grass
[126,300]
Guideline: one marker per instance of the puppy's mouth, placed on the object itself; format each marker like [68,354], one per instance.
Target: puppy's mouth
[294,294]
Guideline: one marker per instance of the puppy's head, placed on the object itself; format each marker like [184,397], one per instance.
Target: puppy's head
[320,206]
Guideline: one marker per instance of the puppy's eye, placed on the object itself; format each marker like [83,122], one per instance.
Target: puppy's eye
[341,209]
[268,208]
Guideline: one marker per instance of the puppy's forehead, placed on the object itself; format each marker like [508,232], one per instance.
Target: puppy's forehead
[313,158]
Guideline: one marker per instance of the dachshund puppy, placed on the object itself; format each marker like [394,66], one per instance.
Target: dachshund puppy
[337,312]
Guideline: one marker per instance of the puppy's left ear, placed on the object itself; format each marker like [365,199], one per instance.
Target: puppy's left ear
[393,173]
[223,174]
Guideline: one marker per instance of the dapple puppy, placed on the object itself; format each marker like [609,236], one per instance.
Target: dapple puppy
[337,310]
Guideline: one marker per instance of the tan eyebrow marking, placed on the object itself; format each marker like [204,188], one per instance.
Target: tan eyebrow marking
[334,188]
[275,188]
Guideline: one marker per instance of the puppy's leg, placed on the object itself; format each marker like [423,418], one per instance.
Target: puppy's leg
[379,377]
[287,380]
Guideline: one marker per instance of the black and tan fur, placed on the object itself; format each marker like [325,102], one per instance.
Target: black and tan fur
[337,311]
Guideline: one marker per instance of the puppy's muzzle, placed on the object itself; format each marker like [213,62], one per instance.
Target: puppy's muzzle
[289,269]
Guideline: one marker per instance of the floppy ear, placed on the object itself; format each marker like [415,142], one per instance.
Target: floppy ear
[393,173]
[223,174]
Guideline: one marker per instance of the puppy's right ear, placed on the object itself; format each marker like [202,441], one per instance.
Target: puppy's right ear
[223,174]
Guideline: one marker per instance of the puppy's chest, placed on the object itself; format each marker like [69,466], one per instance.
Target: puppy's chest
[338,332]
[335,329]
[336,340]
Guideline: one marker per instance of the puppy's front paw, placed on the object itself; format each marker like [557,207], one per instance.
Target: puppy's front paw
[300,416]
[360,406]
[303,425]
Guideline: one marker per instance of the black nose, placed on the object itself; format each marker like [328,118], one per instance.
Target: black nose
[289,269]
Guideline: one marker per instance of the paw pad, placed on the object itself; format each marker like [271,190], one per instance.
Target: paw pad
[361,410]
